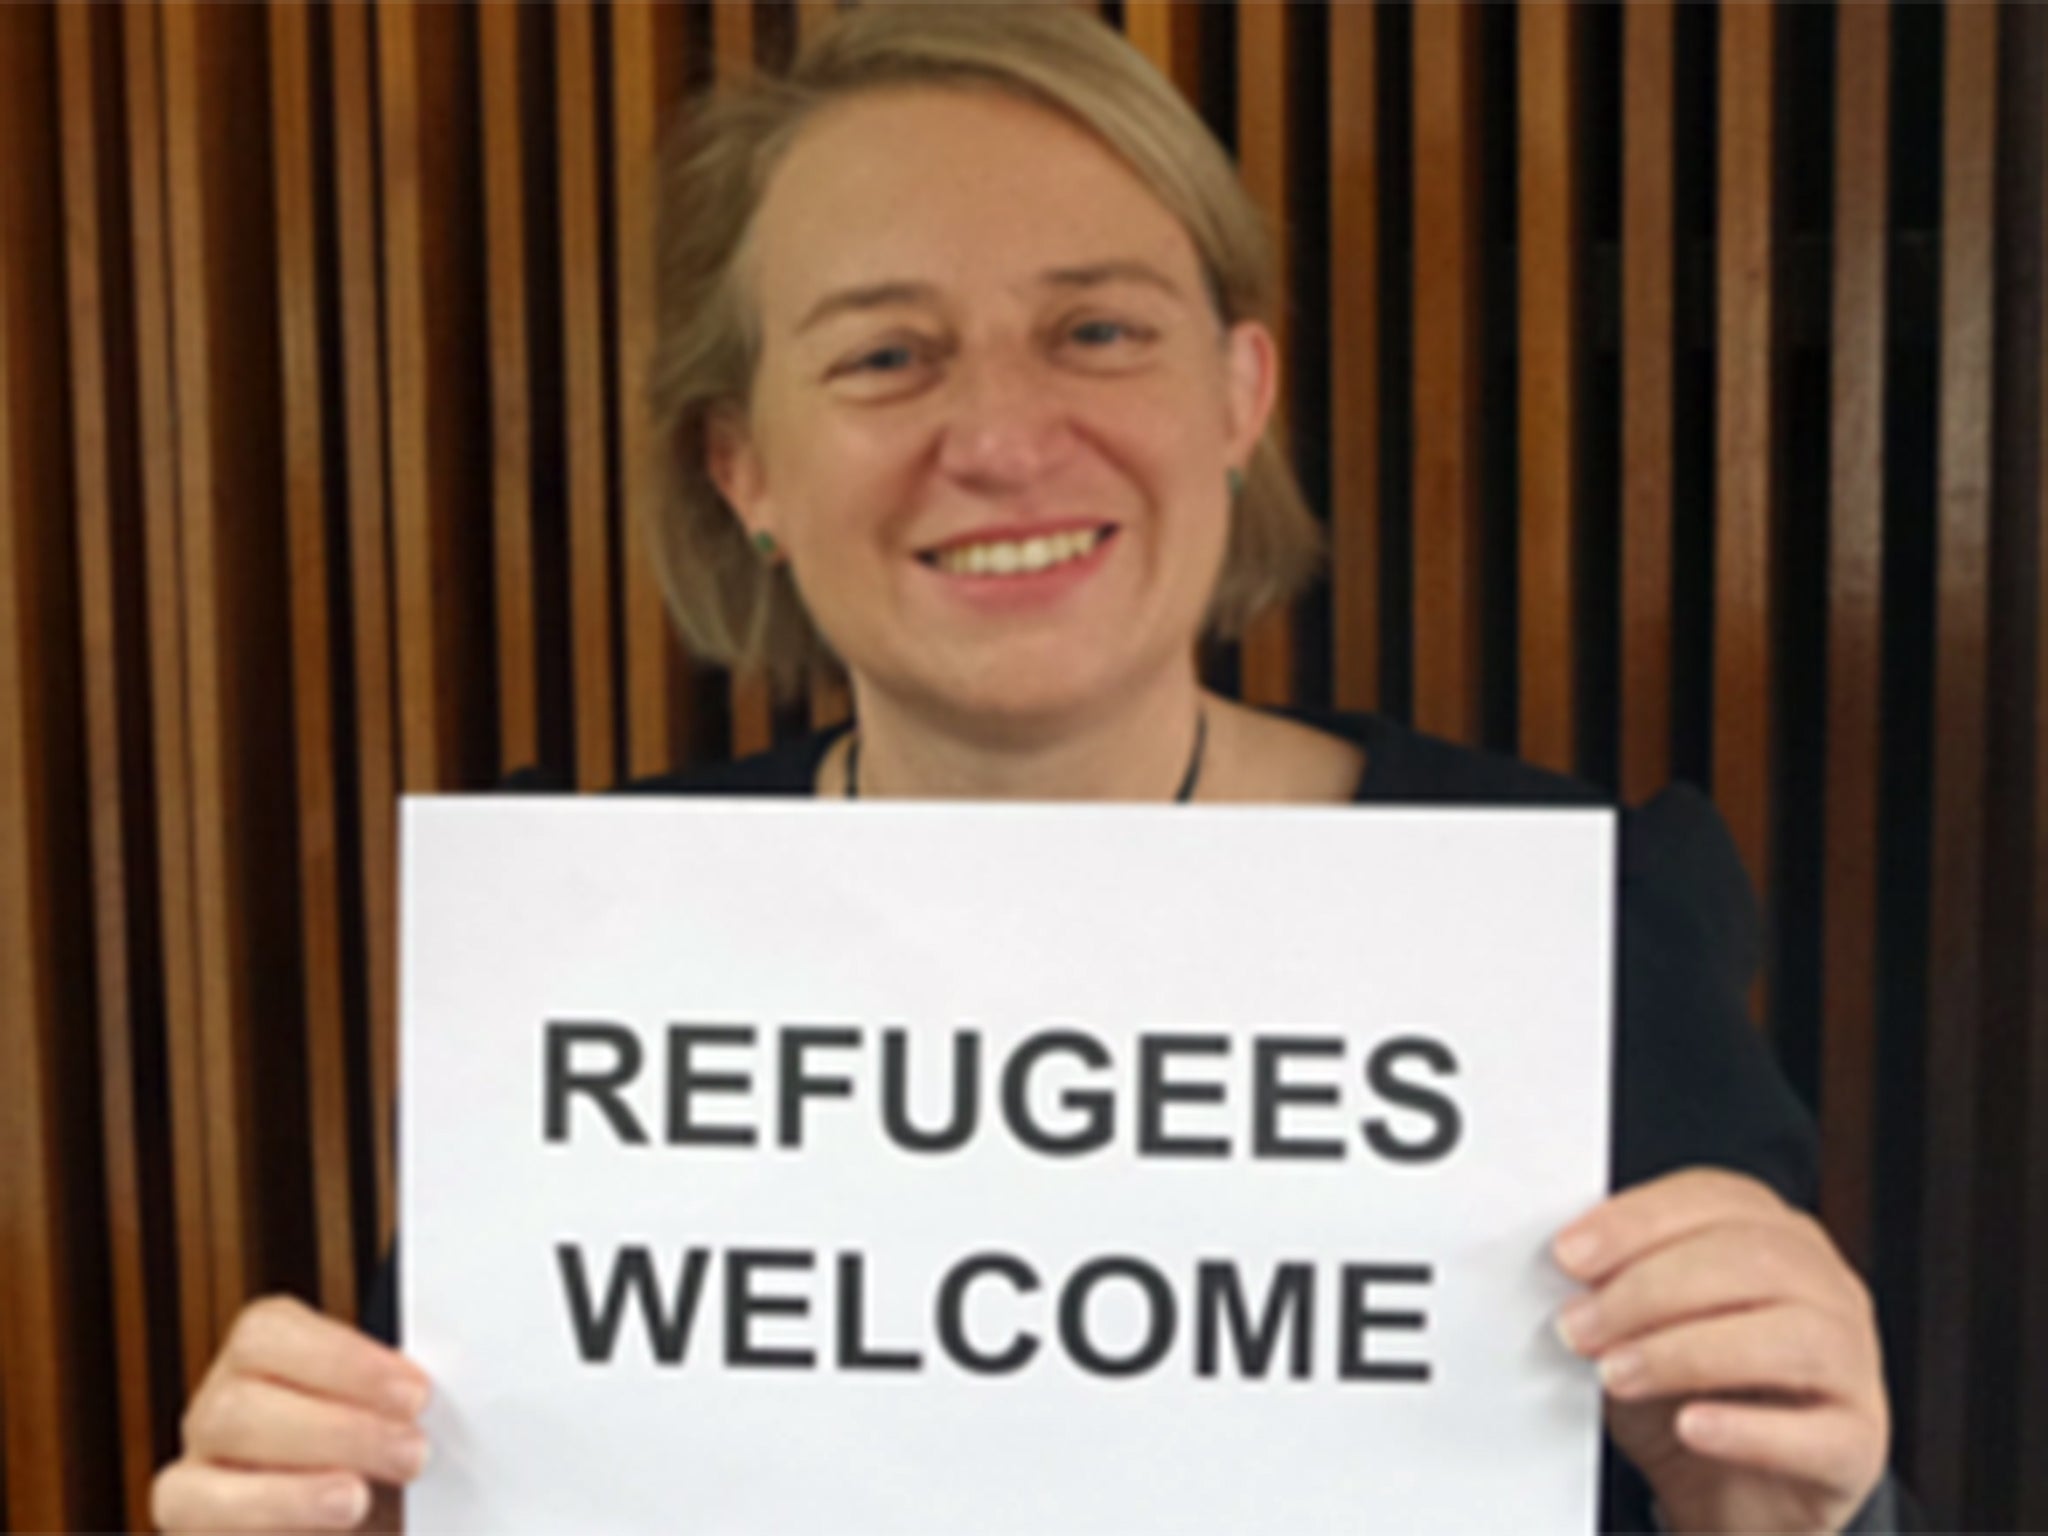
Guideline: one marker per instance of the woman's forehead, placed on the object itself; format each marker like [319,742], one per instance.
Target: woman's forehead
[951,189]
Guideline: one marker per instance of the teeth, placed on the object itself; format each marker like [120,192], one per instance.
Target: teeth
[1018,557]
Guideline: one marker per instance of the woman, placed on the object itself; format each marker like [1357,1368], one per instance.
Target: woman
[966,367]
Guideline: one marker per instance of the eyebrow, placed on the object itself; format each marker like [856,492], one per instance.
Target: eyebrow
[886,294]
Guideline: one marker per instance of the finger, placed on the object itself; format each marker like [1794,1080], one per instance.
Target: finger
[258,1423]
[283,1338]
[1792,1350]
[1722,1268]
[1632,1223]
[1834,1447]
[189,1496]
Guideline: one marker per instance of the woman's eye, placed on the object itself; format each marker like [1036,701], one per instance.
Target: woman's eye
[1104,333]
[883,360]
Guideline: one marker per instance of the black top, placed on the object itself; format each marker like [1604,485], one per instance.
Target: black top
[1694,1082]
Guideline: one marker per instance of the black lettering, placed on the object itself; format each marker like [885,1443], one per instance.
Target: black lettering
[1270,1091]
[1156,1091]
[896,1121]
[1159,1329]
[953,1303]
[743,1304]
[1097,1106]
[597,1331]
[795,1082]
[854,1353]
[1356,1320]
[685,1082]
[1289,1310]
[561,1079]
[1448,1124]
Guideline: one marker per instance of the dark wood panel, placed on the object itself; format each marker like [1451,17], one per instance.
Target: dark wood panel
[128,1007]
[1355,356]
[1447,436]
[1962,613]
[1648,336]
[2032,1435]
[437,400]
[830,699]
[165,599]
[371,623]
[1548,267]
[245,885]
[647,59]
[500,65]
[1745,415]
[304,399]
[1855,601]
[590,527]
[1169,33]
[39,1281]
[1266,159]
[734,45]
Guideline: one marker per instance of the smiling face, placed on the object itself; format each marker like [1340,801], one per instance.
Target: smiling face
[994,409]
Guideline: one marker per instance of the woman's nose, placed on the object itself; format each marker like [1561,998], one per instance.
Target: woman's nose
[1006,422]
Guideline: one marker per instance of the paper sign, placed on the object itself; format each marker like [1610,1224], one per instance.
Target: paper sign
[780,1166]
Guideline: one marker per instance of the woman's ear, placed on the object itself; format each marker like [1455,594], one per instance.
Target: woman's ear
[735,468]
[1252,360]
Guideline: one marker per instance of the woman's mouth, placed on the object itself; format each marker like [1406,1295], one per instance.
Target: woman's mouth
[999,558]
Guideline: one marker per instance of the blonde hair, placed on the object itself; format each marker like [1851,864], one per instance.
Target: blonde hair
[731,605]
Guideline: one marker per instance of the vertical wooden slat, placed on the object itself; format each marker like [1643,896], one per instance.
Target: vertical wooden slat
[1266,155]
[196,79]
[1962,603]
[115,689]
[47,1476]
[504,190]
[733,45]
[2032,1437]
[419,565]
[169,728]
[1447,441]
[1168,32]
[1648,339]
[437,400]
[1744,413]
[1855,648]
[1355,356]
[371,621]
[830,699]
[306,515]
[647,51]
[1549,257]
[590,536]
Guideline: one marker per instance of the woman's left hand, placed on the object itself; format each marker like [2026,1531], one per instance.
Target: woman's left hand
[1738,1351]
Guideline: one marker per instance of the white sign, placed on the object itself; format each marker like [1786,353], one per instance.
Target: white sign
[781,1166]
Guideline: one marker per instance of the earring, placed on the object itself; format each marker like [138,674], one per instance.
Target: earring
[765,545]
[1236,479]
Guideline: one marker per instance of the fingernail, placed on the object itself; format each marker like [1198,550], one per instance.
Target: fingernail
[1575,1322]
[1576,1250]
[345,1504]
[408,1453]
[1621,1369]
[407,1399]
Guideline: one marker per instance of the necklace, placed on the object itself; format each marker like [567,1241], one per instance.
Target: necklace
[1188,780]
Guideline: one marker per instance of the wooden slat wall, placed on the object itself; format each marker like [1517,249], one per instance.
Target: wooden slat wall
[1855,737]
[323,459]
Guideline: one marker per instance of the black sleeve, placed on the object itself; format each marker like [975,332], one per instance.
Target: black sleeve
[1694,1080]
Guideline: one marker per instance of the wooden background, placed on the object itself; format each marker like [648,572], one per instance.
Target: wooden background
[1671,378]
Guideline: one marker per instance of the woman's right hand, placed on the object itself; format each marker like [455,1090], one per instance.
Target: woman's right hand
[302,1423]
